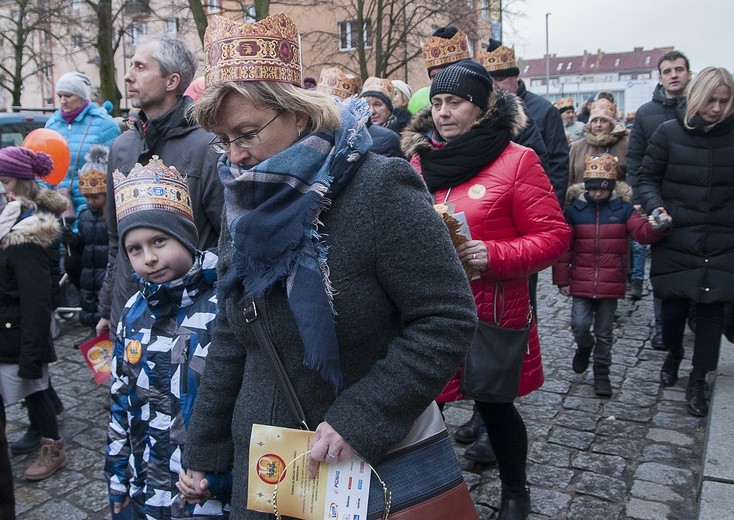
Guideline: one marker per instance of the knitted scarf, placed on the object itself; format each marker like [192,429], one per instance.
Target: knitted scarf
[273,215]
[461,159]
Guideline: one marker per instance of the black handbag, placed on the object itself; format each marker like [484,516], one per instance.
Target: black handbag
[419,479]
[493,364]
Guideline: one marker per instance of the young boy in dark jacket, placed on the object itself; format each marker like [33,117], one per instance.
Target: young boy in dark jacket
[91,241]
[161,346]
[594,269]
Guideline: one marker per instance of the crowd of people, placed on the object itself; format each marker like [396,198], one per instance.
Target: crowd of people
[361,241]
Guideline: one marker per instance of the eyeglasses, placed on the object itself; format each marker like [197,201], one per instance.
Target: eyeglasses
[223,145]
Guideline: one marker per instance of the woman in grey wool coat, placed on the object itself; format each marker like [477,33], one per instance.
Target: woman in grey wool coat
[361,289]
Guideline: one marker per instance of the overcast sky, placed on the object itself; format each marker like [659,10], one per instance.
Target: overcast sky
[702,29]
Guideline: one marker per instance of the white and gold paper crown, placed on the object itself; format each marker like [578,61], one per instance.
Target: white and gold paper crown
[499,59]
[564,104]
[381,85]
[336,82]
[268,50]
[602,166]
[154,186]
[603,108]
[438,52]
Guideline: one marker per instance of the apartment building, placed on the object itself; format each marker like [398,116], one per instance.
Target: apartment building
[330,34]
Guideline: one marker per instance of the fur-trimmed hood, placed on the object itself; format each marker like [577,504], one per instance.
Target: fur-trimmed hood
[41,229]
[51,200]
[577,191]
[504,111]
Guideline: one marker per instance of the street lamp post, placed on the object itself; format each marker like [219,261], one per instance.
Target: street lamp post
[547,57]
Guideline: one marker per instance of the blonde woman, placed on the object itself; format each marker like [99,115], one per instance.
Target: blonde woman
[688,170]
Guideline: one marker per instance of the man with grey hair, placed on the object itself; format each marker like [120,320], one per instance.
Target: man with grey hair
[159,72]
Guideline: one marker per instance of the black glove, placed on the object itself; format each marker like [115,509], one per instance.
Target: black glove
[68,237]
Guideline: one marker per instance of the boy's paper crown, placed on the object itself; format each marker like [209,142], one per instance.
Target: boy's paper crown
[155,196]
[600,171]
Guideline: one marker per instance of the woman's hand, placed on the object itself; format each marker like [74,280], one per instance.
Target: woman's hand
[474,253]
[193,487]
[329,447]
[565,290]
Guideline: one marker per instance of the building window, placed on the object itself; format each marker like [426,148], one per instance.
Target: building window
[525,69]
[76,41]
[592,65]
[616,62]
[137,33]
[484,9]
[171,26]
[647,60]
[214,6]
[560,66]
[568,67]
[349,35]
[250,13]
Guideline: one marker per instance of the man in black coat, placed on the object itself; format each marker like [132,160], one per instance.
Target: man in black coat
[674,75]
[160,71]
[506,76]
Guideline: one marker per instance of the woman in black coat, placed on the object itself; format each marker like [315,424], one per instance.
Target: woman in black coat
[29,230]
[688,170]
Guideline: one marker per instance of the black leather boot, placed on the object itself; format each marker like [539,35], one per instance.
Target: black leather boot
[481,450]
[515,506]
[581,360]
[695,394]
[469,431]
[602,385]
[657,339]
[669,372]
[30,441]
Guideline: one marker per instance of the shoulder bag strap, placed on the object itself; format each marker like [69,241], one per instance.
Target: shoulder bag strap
[78,152]
[281,376]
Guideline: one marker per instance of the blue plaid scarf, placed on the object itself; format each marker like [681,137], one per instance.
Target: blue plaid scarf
[273,215]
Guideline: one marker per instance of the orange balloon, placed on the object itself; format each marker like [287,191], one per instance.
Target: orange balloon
[52,143]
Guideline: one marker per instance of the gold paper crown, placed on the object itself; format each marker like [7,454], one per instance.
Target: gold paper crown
[338,83]
[268,50]
[603,108]
[499,59]
[564,104]
[152,187]
[439,51]
[92,182]
[375,84]
[603,166]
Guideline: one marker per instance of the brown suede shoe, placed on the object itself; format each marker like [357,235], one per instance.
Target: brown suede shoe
[51,459]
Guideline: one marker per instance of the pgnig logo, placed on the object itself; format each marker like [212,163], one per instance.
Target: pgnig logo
[333,511]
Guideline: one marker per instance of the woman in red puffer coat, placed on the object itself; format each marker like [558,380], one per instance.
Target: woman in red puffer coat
[461,146]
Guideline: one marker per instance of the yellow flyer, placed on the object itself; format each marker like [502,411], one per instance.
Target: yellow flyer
[339,491]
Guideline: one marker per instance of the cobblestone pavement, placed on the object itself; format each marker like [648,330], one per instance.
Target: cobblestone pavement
[636,455]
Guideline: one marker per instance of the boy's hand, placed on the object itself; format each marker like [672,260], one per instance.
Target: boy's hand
[103,325]
[117,507]
[565,290]
[193,487]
